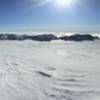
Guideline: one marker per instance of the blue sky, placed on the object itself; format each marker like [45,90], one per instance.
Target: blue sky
[44,15]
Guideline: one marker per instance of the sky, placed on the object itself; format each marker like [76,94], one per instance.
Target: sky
[48,15]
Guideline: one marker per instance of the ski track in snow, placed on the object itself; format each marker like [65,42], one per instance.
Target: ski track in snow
[49,71]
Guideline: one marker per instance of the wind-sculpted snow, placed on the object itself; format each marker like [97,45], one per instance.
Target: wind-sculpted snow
[48,37]
[54,70]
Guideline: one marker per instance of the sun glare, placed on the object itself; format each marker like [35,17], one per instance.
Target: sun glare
[64,2]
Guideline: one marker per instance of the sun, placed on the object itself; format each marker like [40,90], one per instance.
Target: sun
[64,2]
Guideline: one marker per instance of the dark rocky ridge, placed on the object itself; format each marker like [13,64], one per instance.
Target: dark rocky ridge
[48,37]
[79,37]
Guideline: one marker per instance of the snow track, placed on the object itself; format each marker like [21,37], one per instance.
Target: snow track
[49,71]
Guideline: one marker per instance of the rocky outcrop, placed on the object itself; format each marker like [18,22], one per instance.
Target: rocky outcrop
[48,37]
[44,37]
[79,37]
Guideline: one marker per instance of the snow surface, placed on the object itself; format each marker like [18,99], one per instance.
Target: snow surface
[54,70]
